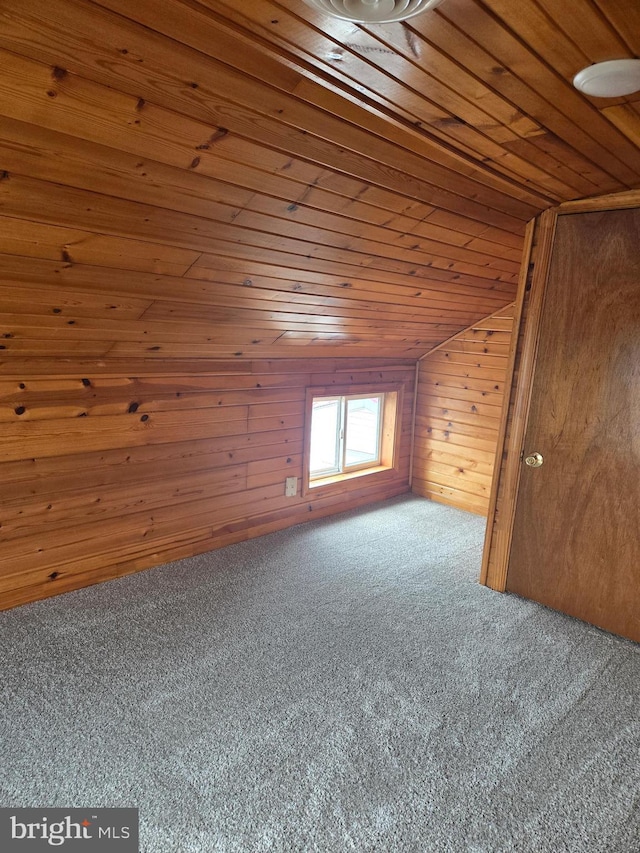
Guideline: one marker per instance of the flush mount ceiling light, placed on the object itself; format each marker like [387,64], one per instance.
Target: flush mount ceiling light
[373,11]
[612,79]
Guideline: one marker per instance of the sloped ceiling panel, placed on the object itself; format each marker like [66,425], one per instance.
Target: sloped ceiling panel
[198,180]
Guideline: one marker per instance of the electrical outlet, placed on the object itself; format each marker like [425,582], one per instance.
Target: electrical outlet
[291,487]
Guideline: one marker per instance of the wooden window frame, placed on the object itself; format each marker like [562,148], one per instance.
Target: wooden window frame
[341,438]
[389,436]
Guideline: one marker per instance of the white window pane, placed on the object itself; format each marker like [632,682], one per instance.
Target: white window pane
[362,431]
[325,434]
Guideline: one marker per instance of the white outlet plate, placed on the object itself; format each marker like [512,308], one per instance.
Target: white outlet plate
[291,487]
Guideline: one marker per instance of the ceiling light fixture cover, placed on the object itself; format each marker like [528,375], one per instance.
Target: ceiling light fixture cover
[612,79]
[373,11]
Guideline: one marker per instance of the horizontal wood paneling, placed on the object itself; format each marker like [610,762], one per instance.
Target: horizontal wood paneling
[459,402]
[205,205]
[220,180]
[104,475]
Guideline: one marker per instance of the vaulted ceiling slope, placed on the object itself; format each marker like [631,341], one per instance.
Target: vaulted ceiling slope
[201,179]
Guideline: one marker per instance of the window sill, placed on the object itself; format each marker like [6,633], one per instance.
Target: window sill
[338,479]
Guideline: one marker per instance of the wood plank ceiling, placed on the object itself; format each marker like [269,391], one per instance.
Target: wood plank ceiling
[198,180]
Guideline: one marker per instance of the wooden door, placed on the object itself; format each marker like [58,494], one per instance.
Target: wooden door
[576,538]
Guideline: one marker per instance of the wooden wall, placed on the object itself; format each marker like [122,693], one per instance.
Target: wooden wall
[107,473]
[458,407]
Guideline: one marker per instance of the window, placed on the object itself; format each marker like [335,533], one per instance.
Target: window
[349,434]
[345,434]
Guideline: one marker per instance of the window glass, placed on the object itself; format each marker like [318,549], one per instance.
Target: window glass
[326,420]
[362,435]
[345,434]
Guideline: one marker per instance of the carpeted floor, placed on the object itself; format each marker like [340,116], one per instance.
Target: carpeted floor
[345,685]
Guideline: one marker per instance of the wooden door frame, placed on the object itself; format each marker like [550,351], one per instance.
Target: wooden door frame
[539,243]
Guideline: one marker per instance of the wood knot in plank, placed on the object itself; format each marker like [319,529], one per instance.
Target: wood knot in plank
[218,134]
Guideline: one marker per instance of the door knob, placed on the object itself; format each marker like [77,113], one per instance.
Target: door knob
[534,460]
